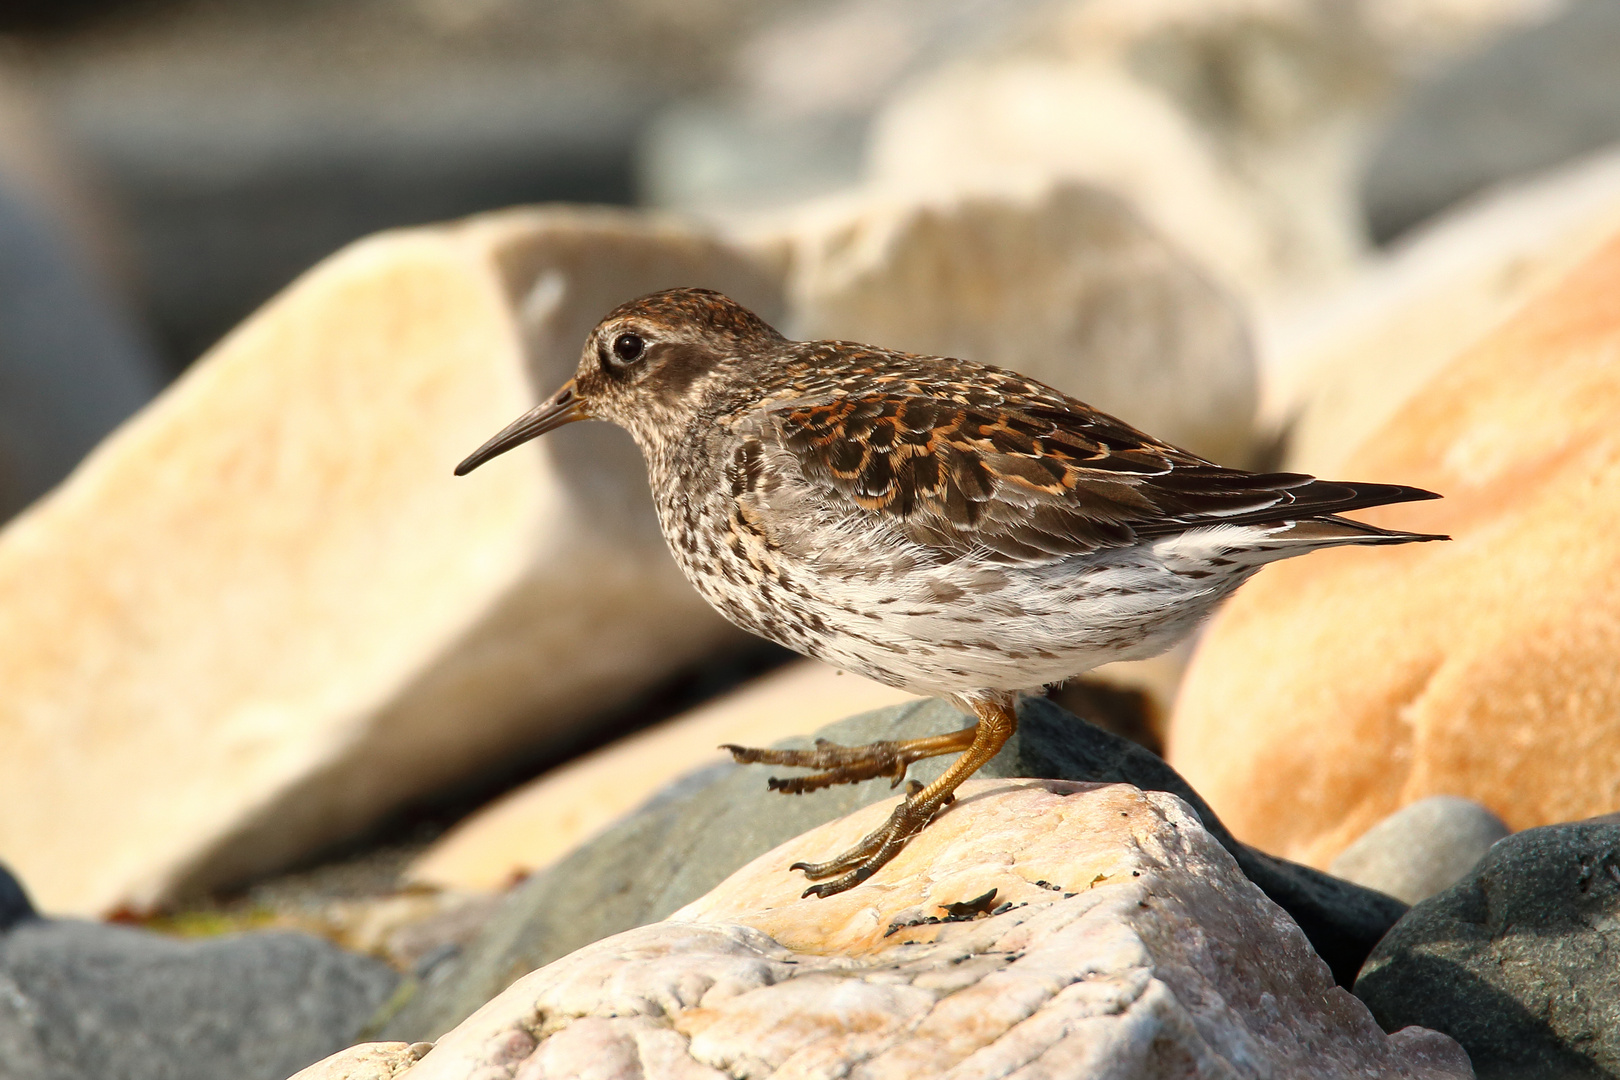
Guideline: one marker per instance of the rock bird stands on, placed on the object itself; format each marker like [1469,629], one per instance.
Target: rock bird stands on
[945,527]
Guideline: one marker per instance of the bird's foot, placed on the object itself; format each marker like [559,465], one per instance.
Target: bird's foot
[851,764]
[867,857]
[997,722]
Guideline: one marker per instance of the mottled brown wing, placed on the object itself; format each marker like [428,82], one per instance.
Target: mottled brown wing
[1034,483]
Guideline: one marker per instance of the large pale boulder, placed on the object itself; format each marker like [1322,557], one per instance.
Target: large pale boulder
[548,817]
[1062,281]
[1337,688]
[1036,928]
[367,1061]
[264,612]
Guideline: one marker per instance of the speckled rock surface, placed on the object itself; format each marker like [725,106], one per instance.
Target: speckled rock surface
[1421,849]
[1036,929]
[1519,961]
[367,1061]
[655,862]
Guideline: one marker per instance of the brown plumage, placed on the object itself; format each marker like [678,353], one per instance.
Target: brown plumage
[943,526]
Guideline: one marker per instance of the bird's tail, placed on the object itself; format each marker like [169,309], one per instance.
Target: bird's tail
[1332,530]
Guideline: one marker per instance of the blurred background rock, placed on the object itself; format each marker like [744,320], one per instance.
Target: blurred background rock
[243,140]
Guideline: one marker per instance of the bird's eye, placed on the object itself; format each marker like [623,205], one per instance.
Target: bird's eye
[627,348]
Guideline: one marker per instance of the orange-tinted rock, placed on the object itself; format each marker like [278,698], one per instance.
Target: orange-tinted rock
[1336,688]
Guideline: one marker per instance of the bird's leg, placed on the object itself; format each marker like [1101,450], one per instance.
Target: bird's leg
[997,722]
[852,764]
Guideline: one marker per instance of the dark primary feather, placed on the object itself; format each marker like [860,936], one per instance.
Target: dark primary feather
[1035,479]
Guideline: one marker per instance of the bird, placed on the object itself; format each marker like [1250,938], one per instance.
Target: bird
[942,526]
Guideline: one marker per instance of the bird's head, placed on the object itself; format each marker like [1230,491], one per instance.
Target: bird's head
[646,367]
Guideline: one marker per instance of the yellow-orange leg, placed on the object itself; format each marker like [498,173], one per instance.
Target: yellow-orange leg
[852,764]
[997,722]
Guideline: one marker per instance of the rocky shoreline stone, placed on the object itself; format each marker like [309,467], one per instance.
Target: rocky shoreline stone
[1036,928]
[81,999]
[1519,961]
[653,863]
[1421,849]
[550,816]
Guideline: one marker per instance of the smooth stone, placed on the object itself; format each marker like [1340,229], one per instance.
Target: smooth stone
[792,121]
[1421,849]
[1036,928]
[264,613]
[1237,130]
[1333,690]
[80,999]
[1519,962]
[653,863]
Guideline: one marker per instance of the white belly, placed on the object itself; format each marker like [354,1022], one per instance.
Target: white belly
[960,627]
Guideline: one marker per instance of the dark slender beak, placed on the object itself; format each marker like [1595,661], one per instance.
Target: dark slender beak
[563,407]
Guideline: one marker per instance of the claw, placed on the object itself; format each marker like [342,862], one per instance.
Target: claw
[875,849]
[825,889]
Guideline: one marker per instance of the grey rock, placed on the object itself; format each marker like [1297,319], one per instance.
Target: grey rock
[72,363]
[1533,100]
[14,903]
[81,999]
[1519,961]
[1421,849]
[657,861]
